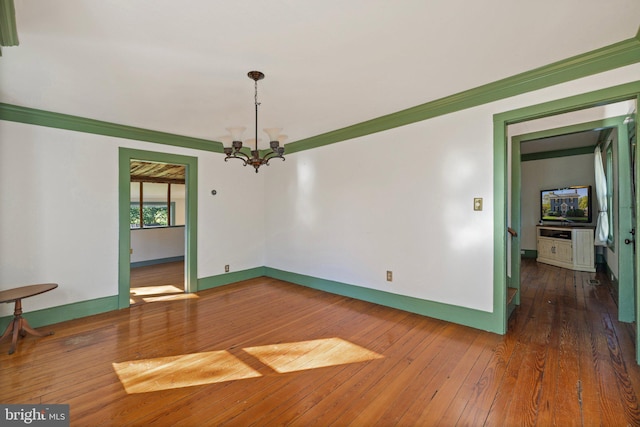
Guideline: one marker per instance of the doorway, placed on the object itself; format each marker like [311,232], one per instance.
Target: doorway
[190,164]
[158,223]
[507,159]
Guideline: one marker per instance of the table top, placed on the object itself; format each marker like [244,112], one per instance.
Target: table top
[10,295]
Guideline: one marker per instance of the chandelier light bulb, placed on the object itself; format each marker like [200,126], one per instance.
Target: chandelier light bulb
[273,133]
[236,132]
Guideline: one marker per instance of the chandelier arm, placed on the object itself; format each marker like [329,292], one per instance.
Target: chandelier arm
[245,161]
[266,160]
[235,156]
[272,154]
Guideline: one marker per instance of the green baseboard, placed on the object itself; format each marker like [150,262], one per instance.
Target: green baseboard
[450,313]
[228,278]
[62,313]
[528,253]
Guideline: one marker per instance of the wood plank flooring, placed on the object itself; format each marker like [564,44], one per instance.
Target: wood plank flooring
[159,282]
[265,352]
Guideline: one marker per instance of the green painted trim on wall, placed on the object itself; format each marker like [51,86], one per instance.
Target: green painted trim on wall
[450,313]
[228,278]
[124,232]
[557,153]
[500,276]
[597,61]
[516,223]
[600,60]
[33,116]
[62,313]
[623,225]
[8,28]
[529,253]
[501,168]
[623,92]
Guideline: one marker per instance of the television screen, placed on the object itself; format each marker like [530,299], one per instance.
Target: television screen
[572,204]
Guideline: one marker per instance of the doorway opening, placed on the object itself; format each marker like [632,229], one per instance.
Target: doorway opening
[145,224]
[514,127]
[158,223]
[563,157]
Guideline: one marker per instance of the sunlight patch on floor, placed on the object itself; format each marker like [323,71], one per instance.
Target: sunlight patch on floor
[164,373]
[301,355]
[170,297]
[155,290]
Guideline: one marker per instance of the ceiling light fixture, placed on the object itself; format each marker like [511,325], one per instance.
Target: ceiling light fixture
[255,160]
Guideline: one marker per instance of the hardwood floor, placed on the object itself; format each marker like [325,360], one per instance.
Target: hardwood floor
[154,283]
[265,352]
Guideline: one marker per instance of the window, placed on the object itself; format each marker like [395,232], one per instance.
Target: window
[154,214]
[609,175]
[163,205]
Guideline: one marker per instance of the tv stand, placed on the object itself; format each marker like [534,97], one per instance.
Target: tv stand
[567,247]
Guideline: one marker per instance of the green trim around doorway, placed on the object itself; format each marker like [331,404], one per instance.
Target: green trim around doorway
[501,172]
[8,28]
[191,227]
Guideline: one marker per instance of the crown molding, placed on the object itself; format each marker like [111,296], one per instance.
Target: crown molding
[610,57]
[33,116]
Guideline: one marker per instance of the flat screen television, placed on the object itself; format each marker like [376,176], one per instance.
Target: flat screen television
[569,204]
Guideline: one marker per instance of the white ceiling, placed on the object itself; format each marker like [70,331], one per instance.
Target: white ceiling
[180,66]
[587,138]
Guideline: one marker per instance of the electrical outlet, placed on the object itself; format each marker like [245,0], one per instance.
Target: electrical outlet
[226,268]
[389,276]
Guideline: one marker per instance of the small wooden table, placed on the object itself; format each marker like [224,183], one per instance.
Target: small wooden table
[19,325]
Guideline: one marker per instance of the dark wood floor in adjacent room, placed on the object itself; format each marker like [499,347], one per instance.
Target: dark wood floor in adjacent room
[265,352]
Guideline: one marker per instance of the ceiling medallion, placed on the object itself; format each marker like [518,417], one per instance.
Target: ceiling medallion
[255,159]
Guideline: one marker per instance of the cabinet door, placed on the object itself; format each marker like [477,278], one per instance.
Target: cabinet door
[545,249]
[564,251]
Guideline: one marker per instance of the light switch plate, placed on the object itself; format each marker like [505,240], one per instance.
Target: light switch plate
[477,203]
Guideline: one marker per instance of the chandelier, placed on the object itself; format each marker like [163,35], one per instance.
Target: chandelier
[255,159]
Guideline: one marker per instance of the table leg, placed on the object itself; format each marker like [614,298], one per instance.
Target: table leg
[19,325]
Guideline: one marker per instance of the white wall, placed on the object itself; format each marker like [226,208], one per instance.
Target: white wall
[398,200]
[59,218]
[402,200]
[547,174]
[157,243]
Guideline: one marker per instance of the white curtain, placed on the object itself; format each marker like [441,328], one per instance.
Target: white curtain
[602,228]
